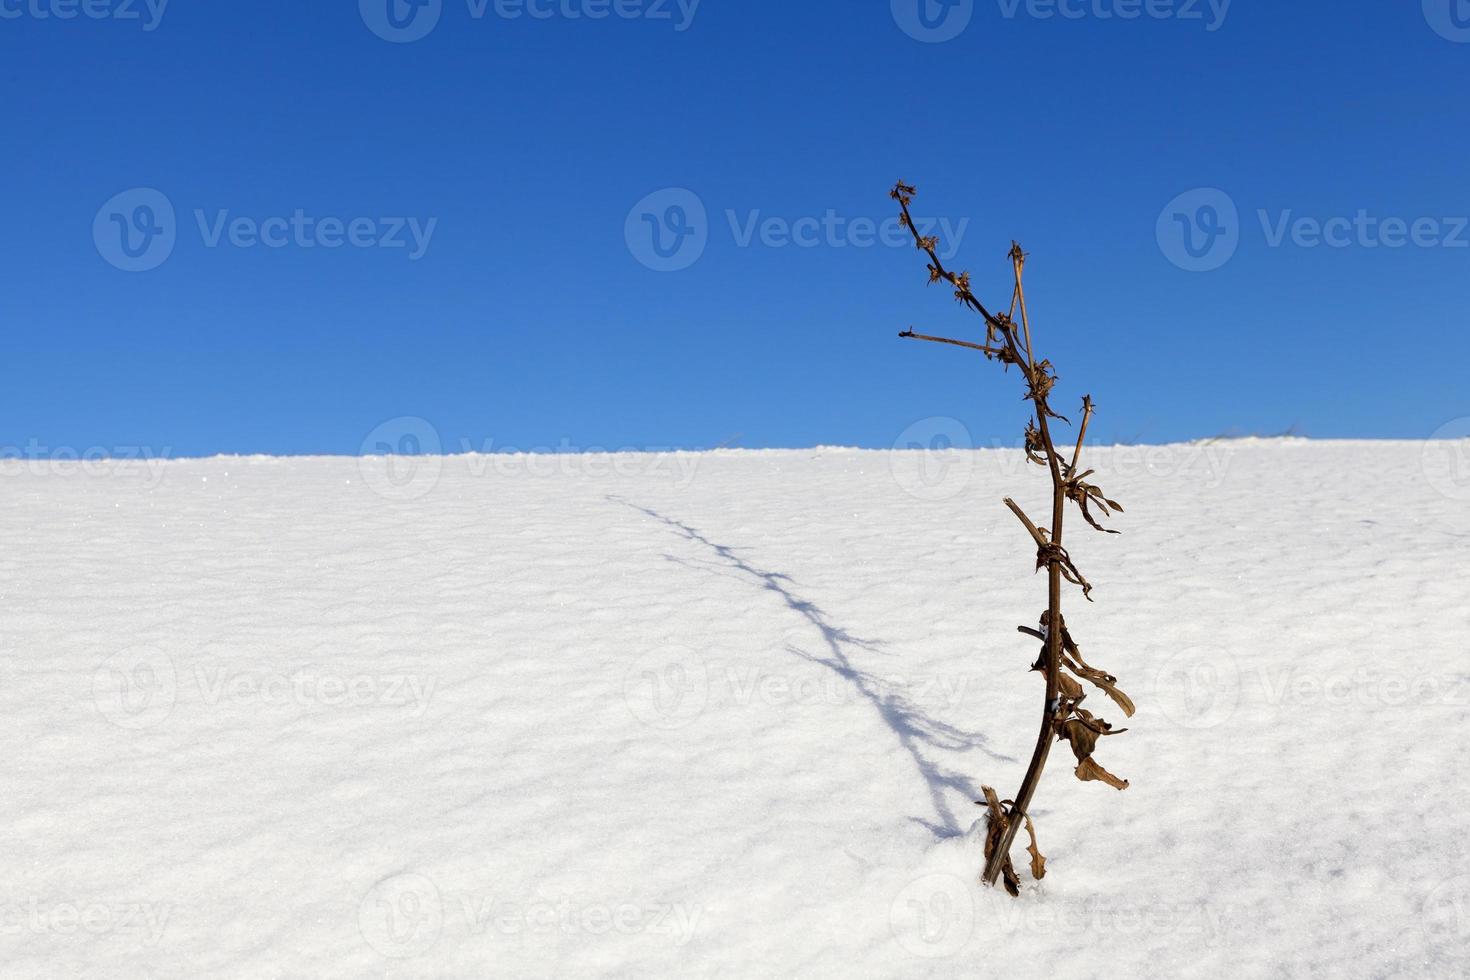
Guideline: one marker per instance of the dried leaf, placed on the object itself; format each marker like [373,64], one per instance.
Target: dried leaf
[1083,739]
[1069,688]
[1090,771]
[1049,553]
[1038,862]
[1083,731]
[1084,493]
[1104,681]
[995,830]
[1035,445]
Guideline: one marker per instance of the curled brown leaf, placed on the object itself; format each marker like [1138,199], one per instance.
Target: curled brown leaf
[1038,862]
[1090,771]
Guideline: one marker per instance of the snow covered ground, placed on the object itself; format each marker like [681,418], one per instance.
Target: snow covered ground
[727,714]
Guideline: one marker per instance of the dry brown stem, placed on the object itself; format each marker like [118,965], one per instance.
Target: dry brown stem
[1062,718]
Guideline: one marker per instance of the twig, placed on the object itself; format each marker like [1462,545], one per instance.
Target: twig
[1081,433]
[1040,538]
[992,351]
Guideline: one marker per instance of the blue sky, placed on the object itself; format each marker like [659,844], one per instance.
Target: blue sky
[1241,217]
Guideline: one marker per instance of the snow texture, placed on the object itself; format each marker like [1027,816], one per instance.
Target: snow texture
[727,714]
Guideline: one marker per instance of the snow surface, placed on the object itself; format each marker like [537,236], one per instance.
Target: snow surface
[726,714]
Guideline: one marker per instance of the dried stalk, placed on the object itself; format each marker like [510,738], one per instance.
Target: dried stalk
[1060,661]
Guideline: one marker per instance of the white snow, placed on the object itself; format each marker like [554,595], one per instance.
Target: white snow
[726,714]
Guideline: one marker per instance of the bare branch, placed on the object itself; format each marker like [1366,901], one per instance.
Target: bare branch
[990,351]
[1061,716]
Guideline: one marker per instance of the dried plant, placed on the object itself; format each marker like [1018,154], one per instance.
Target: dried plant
[1060,662]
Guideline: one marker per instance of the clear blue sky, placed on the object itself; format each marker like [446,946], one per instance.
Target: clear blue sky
[530,320]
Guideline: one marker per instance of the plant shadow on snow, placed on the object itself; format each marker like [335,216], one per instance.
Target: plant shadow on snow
[918,732]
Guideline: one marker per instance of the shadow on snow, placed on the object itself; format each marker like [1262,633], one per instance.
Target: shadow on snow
[918,732]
